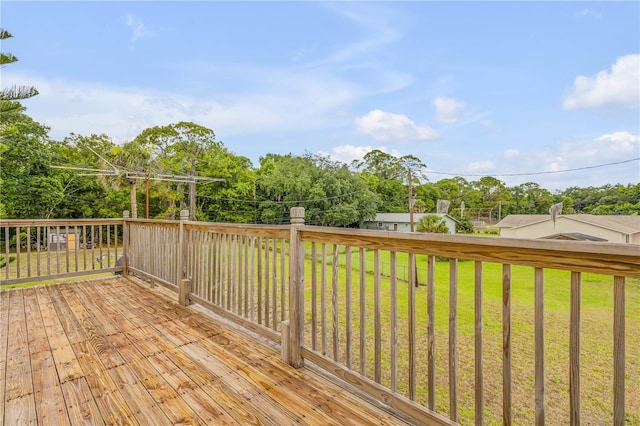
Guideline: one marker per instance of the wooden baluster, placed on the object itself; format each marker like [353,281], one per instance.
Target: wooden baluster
[618,350]
[506,345]
[479,394]
[539,345]
[574,349]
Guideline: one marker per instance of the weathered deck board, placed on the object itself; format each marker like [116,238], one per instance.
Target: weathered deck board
[4,331]
[111,352]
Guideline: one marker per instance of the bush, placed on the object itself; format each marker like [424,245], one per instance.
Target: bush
[3,261]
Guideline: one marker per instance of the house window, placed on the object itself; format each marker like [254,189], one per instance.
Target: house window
[380,225]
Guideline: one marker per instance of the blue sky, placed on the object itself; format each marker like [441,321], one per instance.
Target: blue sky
[471,88]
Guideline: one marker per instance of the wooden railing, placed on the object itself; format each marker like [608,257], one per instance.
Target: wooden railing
[39,250]
[400,364]
[238,271]
[465,334]
[373,308]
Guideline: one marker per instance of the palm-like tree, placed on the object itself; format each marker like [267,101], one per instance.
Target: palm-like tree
[13,93]
[432,223]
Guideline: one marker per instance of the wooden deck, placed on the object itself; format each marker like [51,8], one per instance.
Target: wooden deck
[110,352]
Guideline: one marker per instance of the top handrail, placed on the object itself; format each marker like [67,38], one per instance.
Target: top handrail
[606,258]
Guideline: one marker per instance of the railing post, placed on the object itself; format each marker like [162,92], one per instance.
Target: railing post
[293,355]
[125,243]
[184,283]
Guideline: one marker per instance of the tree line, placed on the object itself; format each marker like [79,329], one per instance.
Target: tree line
[86,177]
[333,193]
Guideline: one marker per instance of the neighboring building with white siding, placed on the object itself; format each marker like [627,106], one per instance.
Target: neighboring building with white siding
[400,221]
[586,227]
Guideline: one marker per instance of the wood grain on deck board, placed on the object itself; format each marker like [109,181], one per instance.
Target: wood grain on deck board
[110,352]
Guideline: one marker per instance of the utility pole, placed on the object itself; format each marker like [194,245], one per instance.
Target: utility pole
[131,177]
[146,179]
[134,201]
[410,201]
[192,192]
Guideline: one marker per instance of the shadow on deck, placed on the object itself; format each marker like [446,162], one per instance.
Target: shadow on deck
[111,352]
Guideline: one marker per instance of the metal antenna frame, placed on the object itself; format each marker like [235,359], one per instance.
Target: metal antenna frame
[146,176]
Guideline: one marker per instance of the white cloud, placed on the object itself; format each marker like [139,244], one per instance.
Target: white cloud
[138,30]
[620,87]
[348,153]
[372,22]
[280,104]
[621,142]
[582,13]
[388,127]
[608,148]
[448,110]
[489,125]
[481,167]
[511,153]
[616,147]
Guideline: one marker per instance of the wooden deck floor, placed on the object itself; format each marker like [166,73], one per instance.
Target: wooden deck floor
[111,352]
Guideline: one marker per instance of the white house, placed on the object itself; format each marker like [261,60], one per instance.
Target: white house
[586,227]
[400,221]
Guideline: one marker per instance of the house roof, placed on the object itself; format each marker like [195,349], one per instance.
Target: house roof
[628,224]
[574,236]
[404,217]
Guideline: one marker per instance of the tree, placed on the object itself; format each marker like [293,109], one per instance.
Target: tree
[28,189]
[88,196]
[388,176]
[433,224]
[330,193]
[177,149]
[13,93]
[530,198]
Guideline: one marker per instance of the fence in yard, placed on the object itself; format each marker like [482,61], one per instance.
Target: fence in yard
[38,250]
[445,329]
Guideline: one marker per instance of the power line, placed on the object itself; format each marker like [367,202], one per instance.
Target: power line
[281,202]
[537,173]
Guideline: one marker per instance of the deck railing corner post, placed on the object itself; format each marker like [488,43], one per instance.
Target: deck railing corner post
[182,254]
[296,289]
[125,244]
[183,292]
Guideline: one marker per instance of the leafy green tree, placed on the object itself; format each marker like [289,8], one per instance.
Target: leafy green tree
[494,193]
[433,224]
[177,149]
[387,177]
[464,225]
[530,198]
[89,196]
[330,193]
[234,199]
[606,199]
[28,190]
[13,93]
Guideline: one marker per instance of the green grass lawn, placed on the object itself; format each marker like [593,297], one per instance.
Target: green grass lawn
[596,334]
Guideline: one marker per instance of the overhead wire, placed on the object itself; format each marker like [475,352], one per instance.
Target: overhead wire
[548,172]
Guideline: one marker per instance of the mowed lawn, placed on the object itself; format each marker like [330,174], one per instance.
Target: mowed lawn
[596,336]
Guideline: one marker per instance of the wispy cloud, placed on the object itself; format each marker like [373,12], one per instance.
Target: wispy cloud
[448,110]
[348,153]
[588,13]
[613,147]
[138,29]
[373,24]
[619,87]
[482,167]
[280,105]
[388,127]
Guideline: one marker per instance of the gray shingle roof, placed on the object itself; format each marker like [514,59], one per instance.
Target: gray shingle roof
[629,224]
